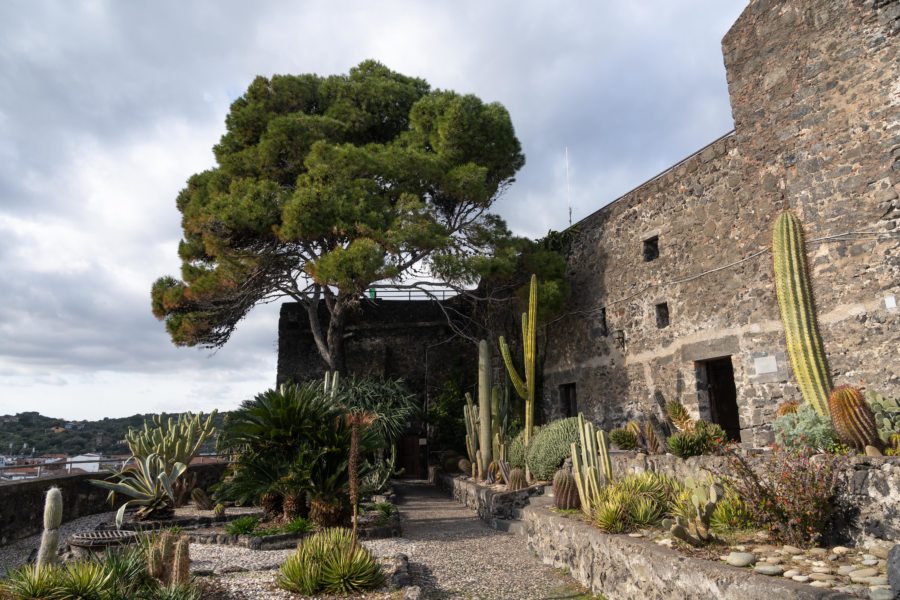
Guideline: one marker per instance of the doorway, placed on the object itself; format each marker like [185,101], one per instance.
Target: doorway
[715,377]
[568,401]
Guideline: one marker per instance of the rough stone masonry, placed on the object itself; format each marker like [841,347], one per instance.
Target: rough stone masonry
[672,283]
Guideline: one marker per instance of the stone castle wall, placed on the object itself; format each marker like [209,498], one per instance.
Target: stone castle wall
[815,93]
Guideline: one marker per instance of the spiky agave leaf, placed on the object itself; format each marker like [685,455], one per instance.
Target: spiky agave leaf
[31,583]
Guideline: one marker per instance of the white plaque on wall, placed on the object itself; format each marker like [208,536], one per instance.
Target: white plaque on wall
[765,364]
[890,302]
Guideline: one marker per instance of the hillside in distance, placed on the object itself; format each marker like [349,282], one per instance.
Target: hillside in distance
[21,432]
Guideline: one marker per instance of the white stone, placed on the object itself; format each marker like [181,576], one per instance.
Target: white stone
[740,559]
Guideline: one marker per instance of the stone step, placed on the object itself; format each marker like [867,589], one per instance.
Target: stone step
[516,527]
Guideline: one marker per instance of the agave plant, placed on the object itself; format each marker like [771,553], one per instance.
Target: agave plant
[148,484]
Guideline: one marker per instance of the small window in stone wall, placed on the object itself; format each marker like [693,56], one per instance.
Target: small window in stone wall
[602,327]
[568,400]
[662,315]
[651,248]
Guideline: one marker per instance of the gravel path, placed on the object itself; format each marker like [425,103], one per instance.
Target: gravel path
[453,554]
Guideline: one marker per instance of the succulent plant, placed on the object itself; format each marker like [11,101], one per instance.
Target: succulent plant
[588,462]
[149,485]
[651,442]
[464,465]
[704,438]
[471,419]
[219,510]
[798,313]
[565,491]
[525,386]
[503,468]
[623,439]
[551,446]
[679,416]
[852,418]
[53,511]
[787,408]
[516,480]
[887,415]
[697,530]
[201,499]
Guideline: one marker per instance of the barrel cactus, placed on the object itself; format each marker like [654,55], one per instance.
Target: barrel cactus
[852,418]
[565,491]
[551,446]
[464,465]
[516,480]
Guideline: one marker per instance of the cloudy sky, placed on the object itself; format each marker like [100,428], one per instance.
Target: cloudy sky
[106,108]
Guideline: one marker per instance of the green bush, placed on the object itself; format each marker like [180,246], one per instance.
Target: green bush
[242,525]
[328,562]
[623,439]
[515,453]
[551,446]
[805,431]
[705,438]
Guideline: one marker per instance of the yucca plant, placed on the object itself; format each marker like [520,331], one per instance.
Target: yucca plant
[148,484]
[184,591]
[84,580]
[329,561]
[31,583]
[611,515]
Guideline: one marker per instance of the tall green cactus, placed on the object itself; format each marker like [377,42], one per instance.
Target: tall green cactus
[485,441]
[525,388]
[53,508]
[174,441]
[798,313]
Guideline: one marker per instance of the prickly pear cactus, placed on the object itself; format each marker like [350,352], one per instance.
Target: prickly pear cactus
[887,415]
[565,491]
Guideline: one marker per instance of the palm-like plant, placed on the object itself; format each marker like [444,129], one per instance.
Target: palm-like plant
[388,401]
[148,484]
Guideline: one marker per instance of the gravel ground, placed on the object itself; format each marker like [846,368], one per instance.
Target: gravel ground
[453,554]
[17,553]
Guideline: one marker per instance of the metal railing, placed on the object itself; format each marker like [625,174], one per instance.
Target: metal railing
[46,469]
[409,293]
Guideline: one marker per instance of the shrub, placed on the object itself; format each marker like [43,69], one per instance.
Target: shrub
[242,525]
[551,446]
[705,438]
[329,562]
[515,453]
[623,439]
[788,493]
[804,431]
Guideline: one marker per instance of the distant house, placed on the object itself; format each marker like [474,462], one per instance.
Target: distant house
[73,426]
[88,463]
[58,429]
[9,419]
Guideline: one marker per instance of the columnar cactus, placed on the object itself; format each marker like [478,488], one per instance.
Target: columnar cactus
[485,441]
[588,462]
[565,491]
[201,499]
[471,419]
[525,388]
[798,313]
[852,418]
[499,409]
[161,556]
[181,562]
[53,508]
[516,480]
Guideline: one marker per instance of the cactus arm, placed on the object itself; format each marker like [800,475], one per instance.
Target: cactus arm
[605,462]
[797,308]
[514,377]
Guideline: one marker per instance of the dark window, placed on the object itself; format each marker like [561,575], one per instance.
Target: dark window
[568,402]
[651,248]
[662,315]
[602,328]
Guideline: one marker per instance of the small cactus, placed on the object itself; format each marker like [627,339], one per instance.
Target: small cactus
[697,531]
[503,468]
[651,441]
[465,465]
[181,562]
[168,560]
[787,408]
[852,418]
[219,510]
[565,491]
[201,499]
[516,480]
[53,508]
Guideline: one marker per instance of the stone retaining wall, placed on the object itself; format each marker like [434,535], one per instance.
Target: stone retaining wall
[622,567]
[495,507]
[22,503]
[870,489]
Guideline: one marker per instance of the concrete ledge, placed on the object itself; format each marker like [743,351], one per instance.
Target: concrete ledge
[622,567]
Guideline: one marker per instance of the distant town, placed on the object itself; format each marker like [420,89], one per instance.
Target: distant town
[32,445]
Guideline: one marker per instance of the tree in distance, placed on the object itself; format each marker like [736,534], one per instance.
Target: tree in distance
[324,186]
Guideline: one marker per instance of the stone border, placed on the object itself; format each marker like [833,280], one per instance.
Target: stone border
[623,567]
[499,509]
